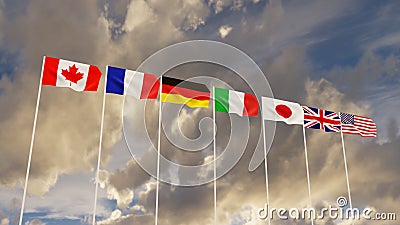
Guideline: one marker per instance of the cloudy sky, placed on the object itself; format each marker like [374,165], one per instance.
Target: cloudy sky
[338,55]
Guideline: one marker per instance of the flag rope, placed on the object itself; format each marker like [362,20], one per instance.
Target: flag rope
[308,172]
[100,148]
[347,174]
[215,158]
[158,151]
[266,166]
[28,168]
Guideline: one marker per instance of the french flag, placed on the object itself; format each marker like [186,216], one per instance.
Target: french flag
[142,85]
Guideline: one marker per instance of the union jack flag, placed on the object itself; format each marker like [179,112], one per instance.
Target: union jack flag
[325,120]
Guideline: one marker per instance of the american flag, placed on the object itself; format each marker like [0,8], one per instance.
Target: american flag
[325,120]
[353,124]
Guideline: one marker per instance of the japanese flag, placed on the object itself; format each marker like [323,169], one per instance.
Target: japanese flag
[279,110]
[74,75]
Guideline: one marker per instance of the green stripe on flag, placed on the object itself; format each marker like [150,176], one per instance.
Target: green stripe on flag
[221,98]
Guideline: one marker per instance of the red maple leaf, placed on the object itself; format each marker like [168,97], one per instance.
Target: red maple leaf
[72,74]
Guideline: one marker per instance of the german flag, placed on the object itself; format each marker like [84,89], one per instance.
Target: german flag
[187,93]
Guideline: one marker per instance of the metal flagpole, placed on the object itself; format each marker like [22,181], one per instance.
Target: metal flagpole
[100,145]
[266,166]
[308,172]
[347,173]
[158,150]
[31,146]
[215,159]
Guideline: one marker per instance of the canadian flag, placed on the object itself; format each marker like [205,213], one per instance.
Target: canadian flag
[74,75]
[279,110]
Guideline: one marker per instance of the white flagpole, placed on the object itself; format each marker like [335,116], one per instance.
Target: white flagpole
[100,146]
[158,150]
[308,172]
[347,173]
[266,166]
[31,146]
[215,158]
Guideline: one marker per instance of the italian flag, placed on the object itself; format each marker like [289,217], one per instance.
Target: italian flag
[236,102]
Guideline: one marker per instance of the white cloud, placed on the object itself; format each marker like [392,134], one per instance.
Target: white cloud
[220,5]
[71,197]
[35,222]
[134,19]
[322,93]
[173,15]
[224,31]
[389,40]
[4,221]
[115,214]
[124,197]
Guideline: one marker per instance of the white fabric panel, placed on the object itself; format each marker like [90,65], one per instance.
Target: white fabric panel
[133,83]
[236,102]
[63,82]
[270,106]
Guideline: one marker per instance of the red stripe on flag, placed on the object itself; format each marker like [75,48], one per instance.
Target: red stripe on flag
[250,105]
[370,122]
[354,129]
[366,119]
[322,119]
[49,73]
[93,78]
[364,125]
[365,129]
[150,87]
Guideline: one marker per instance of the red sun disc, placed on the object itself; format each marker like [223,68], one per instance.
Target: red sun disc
[283,111]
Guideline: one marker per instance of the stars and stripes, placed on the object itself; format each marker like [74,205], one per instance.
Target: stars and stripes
[325,120]
[353,124]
